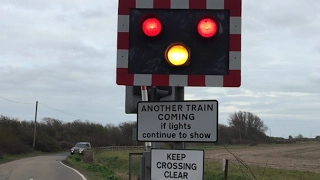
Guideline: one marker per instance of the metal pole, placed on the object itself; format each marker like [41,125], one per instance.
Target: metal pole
[142,168]
[144,96]
[35,127]
[154,97]
[179,96]
[130,166]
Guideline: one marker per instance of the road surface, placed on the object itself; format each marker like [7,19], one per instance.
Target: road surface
[47,167]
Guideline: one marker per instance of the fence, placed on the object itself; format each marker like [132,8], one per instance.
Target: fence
[118,148]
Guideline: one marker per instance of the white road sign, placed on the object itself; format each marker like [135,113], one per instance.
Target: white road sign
[187,121]
[176,164]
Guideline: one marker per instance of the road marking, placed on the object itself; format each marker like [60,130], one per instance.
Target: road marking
[82,176]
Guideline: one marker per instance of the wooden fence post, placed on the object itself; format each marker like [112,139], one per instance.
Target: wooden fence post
[225,168]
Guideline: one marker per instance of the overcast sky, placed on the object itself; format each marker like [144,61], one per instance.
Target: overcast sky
[63,54]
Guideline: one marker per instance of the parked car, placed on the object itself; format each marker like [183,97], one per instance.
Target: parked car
[80,147]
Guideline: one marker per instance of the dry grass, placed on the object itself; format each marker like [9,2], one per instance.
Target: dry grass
[302,157]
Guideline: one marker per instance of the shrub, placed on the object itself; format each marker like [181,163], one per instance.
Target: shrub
[12,145]
[66,145]
[46,144]
[1,154]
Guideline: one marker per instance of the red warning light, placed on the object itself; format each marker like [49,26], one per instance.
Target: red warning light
[207,27]
[151,27]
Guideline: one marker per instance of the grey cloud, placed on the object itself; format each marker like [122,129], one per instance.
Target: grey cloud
[263,103]
[99,12]
[315,77]
[41,5]
[281,21]
[92,14]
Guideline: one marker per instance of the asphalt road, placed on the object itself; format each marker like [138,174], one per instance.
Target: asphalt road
[48,167]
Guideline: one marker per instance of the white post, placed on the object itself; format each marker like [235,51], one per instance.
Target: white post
[144,96]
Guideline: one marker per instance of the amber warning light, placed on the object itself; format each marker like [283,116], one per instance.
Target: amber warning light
[207,27]
[177,55]
[151,27]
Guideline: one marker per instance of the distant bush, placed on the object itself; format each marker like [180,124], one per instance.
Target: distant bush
[9,144]
[46,144]
[17,147]
[64,145]
[52,134]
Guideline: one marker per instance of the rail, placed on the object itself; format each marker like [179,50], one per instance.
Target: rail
[118,148]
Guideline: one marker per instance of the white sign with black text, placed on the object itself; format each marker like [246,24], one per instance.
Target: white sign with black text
[187,121]
[177,164]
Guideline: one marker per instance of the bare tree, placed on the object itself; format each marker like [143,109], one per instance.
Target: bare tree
[300,136]
[248,125]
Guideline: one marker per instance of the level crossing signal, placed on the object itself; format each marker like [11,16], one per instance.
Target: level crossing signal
[163,44]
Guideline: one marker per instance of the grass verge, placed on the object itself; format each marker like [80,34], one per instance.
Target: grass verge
[93,171]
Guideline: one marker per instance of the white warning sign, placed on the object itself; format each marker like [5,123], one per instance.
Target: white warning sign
[187,121]
[176,164]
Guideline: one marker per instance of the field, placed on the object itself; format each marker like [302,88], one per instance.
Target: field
[302,157]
